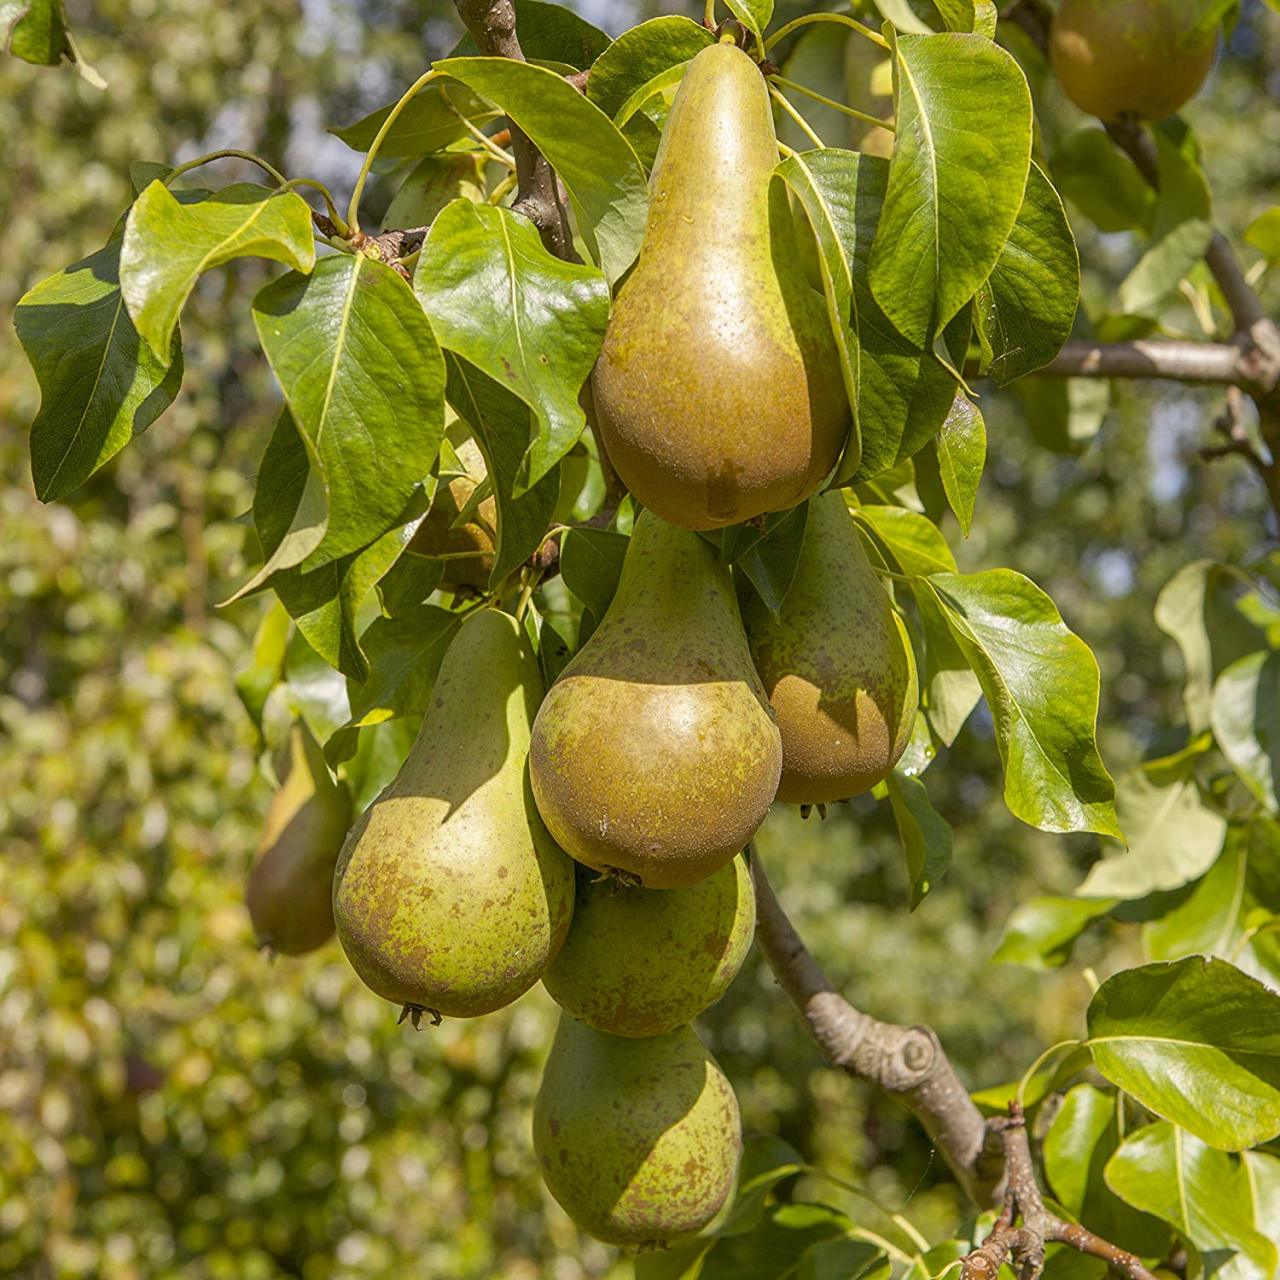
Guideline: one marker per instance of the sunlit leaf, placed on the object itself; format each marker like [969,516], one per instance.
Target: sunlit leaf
[926,835]
[1245,713]
[962,453]
[1042,931]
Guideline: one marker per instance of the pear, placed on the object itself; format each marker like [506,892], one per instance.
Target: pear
[291,879]
[837,665]
[655,755]
[467,551]
[718,390]
[638,1140]
[641,962]
[1140,59]
[450,897]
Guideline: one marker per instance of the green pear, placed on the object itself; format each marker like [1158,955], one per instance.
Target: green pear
[641,962]
[655,755]
[837,665]
[449,895]
[718,389]
[638,1140]
[291,878]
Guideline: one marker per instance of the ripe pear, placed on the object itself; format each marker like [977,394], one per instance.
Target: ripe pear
[291,879]
[718,389]
[655,754]
[449,895]
[638,1140]
[1130,58]
[837,665]
[641,962]
[467,551]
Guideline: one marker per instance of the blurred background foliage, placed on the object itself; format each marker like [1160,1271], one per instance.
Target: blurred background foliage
[174,1103]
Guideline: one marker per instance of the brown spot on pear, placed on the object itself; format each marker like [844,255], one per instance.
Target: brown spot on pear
[638,1140]
[423,912]
[655,752]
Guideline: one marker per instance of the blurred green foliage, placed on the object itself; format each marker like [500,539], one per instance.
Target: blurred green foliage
[172,1102]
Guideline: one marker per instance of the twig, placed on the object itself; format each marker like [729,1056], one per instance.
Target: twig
[1223,363]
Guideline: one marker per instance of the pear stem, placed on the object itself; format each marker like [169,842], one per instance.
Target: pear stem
[865,116]
[801,122]
[796,23]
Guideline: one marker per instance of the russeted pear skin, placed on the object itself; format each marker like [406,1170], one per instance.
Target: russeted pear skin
[837,665]
[291,879]
[466,553]
[638,1140]
[655,753]
[718,391]
[449,894]
[641,962]
[1139,59]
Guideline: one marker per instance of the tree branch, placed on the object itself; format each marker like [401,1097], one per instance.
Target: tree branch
[492,24]
[1223,363]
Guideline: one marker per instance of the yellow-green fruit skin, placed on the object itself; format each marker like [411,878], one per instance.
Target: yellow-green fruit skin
[1129,58]
[655,752]
[291,879]
[837,665]
[718,390]
[466,553]
[641,962]
[638,1140]
[449,893]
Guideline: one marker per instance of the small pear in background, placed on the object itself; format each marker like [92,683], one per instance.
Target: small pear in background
[641,962]
[655,754]
[450,896]
[718,390]
[638,1140]
[290,883]
[837,665]
[466,553]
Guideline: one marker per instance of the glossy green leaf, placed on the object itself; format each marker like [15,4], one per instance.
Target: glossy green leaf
[754,15]
[1028,304]
[961,156]
[430,121]
[1041,682]
[770,561]
[1245,713]
[1041,932]
[1203,1194]
[168,245]
[408,583]
[34,31]
[550,33]
[1173,835]
[531,321]
[766,1161]
[1085,1134]
[404,656]
[1198,1043]
[601,172]
[843,1260]
[773,1250]
[1102,182]
[100,384]
[1181,232]
[591,564]
[641,53]
[432,183]
[1263,1174]
[502,424]
[364,380]
[969,15]
[962,454]
[901,14]
[917,546]
[925,834]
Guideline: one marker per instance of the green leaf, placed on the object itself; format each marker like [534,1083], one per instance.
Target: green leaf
[900,13]
[754,15]
[265,669]
[601,172]
[502,424]
[969,15]
[960,161]
[903,392]
[1181,232]
[1263,1173]
[1028,305]
[34,30]
[1084,1135]
[404,656]
[1102,182]
[314,690]
[430,121]
[926,835]
[962,454]
[770,561]
[1264,234]
[100,385]
[532,322]
[1198,1043]
[1065,414]
[168,245]
[1041,932]
[550,33]
[766,1162]
[641,53]
[1203,1194]
[364,381]
[1245,713]
[1173,835]
[380,751]
[434,182]
[591,564]
[915,544]
[843,1260]
[773,1250]
[1041,682]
